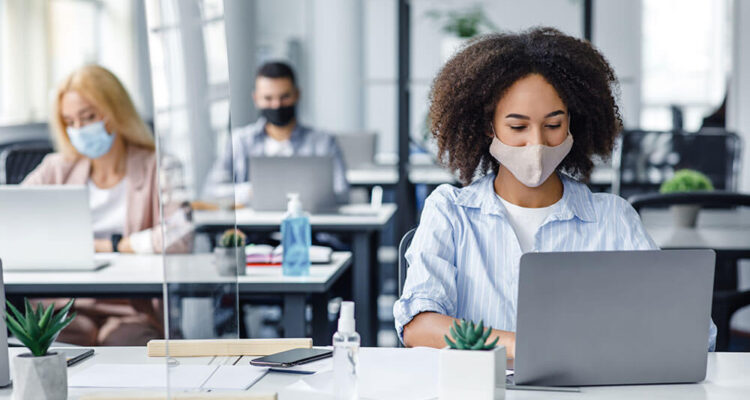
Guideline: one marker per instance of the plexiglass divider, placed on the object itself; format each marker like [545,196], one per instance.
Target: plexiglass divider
[188,57]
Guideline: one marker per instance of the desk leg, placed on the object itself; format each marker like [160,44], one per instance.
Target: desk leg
[294,315]
[322,334]
[365,287]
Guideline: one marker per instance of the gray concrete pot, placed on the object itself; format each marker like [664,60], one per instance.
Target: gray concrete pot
[230,261]
[685,215]
[40,378]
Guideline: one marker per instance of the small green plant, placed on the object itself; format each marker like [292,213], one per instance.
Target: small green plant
[467,336]
[233,238]
[39,327]
[687,180]
[463,23]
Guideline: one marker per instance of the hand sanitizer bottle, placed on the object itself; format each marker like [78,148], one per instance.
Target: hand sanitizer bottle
[296,239]
[345,354]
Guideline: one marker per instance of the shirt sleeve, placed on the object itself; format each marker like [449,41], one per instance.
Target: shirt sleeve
[431,275]
[637,238]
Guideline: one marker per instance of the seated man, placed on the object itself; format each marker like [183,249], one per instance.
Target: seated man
[276,133]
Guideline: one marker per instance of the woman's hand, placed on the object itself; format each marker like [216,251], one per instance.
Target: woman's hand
[103,246]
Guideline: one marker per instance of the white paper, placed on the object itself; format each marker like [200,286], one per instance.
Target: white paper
[236,377]
[144,376]
[409,373]
[140,376]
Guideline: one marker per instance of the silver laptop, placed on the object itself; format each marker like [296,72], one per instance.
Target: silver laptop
[358,148]
[273,177]
[46,228]
[613,318]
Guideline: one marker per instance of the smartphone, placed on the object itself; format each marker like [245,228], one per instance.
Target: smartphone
[291,358]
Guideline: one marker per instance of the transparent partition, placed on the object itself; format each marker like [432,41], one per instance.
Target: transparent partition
[188,58]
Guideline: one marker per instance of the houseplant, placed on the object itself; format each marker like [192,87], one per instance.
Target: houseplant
[460,25]
[229,254]
[39,374]
[470,367]
[686,180]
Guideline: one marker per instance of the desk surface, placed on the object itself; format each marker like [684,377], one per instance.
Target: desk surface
[727,378]
[144,274]
[721,230]
[350,217]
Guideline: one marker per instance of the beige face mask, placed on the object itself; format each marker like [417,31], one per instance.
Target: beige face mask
[531,164]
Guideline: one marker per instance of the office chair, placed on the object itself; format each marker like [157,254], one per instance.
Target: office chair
[402,264]
[727,298]
[18,160]
[645,159]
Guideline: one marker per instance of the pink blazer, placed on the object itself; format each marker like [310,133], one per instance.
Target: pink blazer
[142,190]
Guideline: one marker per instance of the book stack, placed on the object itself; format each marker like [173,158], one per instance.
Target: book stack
[263,255]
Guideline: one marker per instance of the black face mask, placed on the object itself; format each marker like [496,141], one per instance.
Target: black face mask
[278,116]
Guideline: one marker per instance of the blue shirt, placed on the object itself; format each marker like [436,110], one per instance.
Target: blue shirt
[464,258]
[248,141]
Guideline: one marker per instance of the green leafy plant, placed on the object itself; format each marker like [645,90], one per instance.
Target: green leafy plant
[467,336]
[39,327]
[233,238]
[462,23]
[687,180]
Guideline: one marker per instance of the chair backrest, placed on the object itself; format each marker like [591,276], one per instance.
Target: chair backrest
[645,159]
[16,161]
[402,264]
[710,199]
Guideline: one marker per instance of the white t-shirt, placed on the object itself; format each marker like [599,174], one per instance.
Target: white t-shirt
[275,148]
[526,222]
[108,208]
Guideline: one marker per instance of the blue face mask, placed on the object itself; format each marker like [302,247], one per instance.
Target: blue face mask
[92,140]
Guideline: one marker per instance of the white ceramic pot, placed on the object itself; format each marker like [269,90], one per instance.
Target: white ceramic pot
[40,378]
[472,374]
[230,261]
[685,215]
[450,45]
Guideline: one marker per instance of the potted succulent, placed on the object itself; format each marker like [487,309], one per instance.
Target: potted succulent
[39,374]
[460,25]
[229,254]
[686,180]
[471,368]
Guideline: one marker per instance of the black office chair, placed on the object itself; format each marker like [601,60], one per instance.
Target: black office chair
[645,159]
[727,297]
[19,159]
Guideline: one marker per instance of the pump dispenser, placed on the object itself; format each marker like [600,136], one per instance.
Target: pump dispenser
[295,238]
[346,354]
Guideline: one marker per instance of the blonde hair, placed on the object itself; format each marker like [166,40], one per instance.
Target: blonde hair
[102,88]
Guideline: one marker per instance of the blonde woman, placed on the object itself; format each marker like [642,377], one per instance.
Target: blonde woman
[102,143]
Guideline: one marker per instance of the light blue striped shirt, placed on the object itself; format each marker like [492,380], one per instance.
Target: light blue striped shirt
[464,258]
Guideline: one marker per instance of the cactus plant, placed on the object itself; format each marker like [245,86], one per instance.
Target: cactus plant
[39,327]
[232,238]
[467,336]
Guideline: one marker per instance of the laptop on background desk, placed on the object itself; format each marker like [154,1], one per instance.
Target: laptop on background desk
[273,177]
[613,317]
[46,228]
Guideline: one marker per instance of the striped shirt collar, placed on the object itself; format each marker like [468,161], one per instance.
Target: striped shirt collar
[576,200]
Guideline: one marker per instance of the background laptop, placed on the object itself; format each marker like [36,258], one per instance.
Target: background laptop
[358,149]
[46,228]
[613,318]
[273,177]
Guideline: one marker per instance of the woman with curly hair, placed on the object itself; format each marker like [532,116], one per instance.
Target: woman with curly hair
[520,118]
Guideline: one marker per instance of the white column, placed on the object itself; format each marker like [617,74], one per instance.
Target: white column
[738,102]
[337,68]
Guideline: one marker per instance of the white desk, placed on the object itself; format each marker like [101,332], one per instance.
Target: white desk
[726,379]
[143,275]
[360,221]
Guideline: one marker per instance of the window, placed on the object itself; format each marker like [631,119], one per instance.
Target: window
[686,60]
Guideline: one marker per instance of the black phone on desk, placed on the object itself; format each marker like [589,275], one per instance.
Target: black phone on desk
[291,358]
[74,355]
